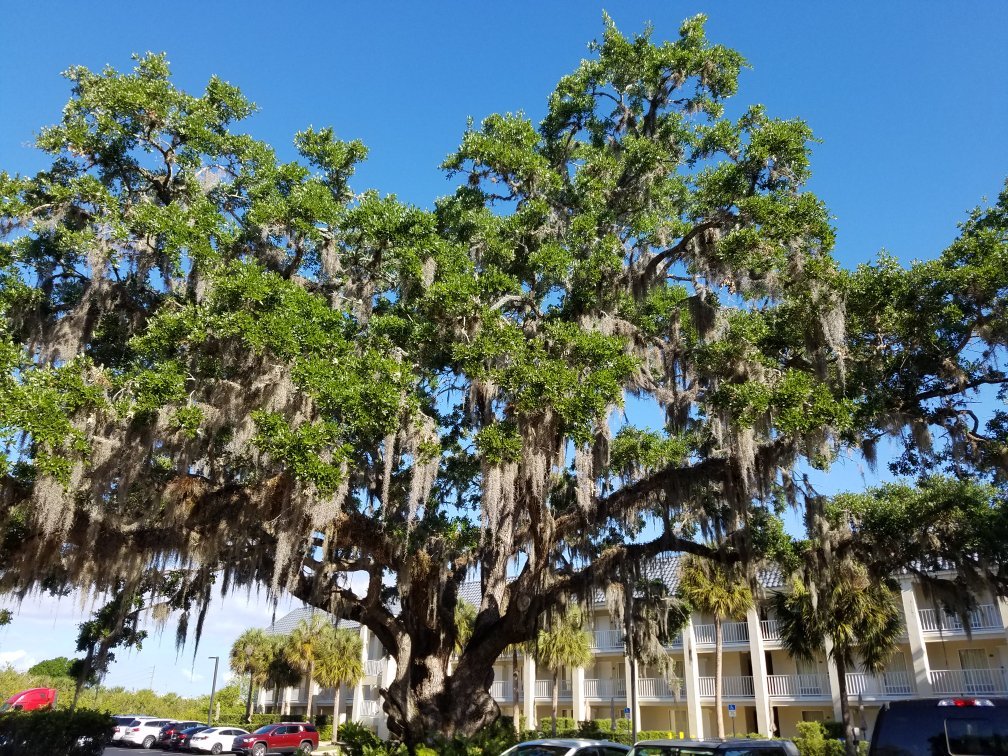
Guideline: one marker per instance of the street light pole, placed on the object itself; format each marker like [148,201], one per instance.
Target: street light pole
[213,689]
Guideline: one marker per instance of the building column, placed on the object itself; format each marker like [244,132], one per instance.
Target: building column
[529,690]
[577,694]
[634,711]
[691,679]
[834,682]
[915,634]
[759,671]
[1002,605]
[356,707]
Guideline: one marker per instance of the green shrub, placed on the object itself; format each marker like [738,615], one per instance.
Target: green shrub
[812,741]
[834,729]
[359,740]
[325,732]
[55,733]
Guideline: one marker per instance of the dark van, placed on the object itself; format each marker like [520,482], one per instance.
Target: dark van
[965,726]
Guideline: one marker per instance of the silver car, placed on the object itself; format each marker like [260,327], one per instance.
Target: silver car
[733,747]
[567,747]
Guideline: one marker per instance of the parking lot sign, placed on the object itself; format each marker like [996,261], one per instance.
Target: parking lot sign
[731,710]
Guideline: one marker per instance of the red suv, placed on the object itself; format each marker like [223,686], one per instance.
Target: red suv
[287,737]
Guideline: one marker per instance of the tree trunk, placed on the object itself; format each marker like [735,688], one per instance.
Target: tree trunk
[311,687]
[422,702]
[336,712]
[845,715]
[556,696]
[718,669]
[82,676]
[248,704]
[515,690]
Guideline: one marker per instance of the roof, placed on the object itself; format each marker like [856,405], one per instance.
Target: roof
[289,621]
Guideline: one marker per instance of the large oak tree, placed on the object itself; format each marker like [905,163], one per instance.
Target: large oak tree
[238,371]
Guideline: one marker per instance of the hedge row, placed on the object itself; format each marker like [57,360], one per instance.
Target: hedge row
[55,733]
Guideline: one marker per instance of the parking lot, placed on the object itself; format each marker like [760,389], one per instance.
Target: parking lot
[113,751]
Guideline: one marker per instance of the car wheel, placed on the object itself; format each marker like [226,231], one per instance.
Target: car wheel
[148,741]
[217,748]
[305,747]
[259,749]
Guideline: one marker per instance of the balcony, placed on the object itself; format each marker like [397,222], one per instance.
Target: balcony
[733,633]
[544,689]
[605,689]
[500,690]
[968,681]
[797,686]
[658,687]
[607,640]
[770,630]
[374,667]
[896,683]
[740,686]
[676,642]
[984,617]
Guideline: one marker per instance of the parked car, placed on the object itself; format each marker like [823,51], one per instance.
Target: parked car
[216,739]
[730,747]
[180,740]
[143,732]
[942,726]
[167,732]
[30,700]
[567,747]
[122,723]
[285,737]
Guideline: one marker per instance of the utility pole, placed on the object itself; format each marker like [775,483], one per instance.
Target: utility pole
[213,689]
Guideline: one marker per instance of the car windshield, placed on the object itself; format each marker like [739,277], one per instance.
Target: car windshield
[652,750]
[533,749]
[264,729]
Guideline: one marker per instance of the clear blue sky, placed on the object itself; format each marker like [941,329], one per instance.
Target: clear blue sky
[909,98]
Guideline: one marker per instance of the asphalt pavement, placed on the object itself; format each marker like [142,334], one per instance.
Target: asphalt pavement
[112,751]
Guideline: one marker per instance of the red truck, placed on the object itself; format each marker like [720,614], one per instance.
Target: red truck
[287,737]
[30,700]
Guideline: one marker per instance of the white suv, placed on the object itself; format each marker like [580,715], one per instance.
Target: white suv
[143,731]
[122,723]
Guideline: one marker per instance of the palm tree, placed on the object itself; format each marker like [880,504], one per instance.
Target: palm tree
[465,619]
[303,650]
[250,656]
[850,610]
[710,587]
[564,644]
[339,662]
[280,672]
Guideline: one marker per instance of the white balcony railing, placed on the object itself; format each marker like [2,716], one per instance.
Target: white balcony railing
[740,686]
[607,640]
[370,708]
[770,630]
[657,687]
[676,642]
[797,686]
[945,681]
[544,689]
[733,633]
[984,617]
[605,689]
[893,683]
[501,690]
[374,667]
